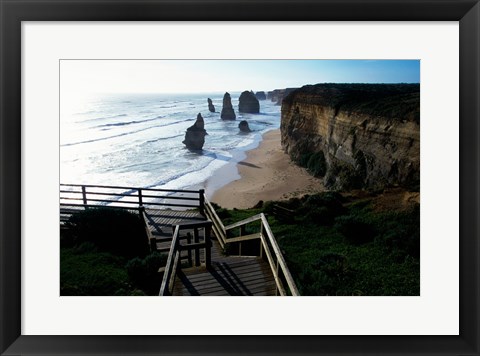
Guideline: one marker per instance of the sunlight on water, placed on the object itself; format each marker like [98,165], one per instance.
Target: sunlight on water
[136,140]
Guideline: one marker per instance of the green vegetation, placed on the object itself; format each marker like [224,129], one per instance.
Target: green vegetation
[105,252]
[111,230]
[314,162]
[334,246]
[395,101]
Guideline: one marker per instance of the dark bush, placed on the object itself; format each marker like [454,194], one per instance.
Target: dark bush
[317,165]
[136,271]
[85,247]
[402,233]
[113,230]
[321,209]
[303,159]
[143,273]
[91,273]
[221,212]
[320,216]
[356,229]
[327,276]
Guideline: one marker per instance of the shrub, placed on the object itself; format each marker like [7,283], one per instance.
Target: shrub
[303,159]
[321,209]
[91,273]
[136,270]
[143,273]
[401,235]
[356,229]
[113,230]
[320,216]
[221,212]
[317,165]
[327,276]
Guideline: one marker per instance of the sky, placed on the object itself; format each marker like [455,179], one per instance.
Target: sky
[83,77]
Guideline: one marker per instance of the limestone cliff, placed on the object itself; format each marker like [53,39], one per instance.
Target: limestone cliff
[355,135]
[276,96]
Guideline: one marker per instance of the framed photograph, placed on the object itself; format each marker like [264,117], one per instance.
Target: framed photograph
[264,149]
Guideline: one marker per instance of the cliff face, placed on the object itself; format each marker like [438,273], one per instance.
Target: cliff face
[276,96]
[355,135]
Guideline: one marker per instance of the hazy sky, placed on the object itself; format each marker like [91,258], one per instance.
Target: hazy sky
[204,76]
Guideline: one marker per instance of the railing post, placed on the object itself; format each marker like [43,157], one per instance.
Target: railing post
[197,250]
[189,251]
[140,200]
[84,194]
[208,251]
[242,233]
[201,194]
[153,244]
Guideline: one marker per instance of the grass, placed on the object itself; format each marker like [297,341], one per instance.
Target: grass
[395,101]
[93,273]
[336,247]
[105,252]
[332,246]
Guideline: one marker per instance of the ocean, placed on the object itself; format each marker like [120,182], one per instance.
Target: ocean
[135,140]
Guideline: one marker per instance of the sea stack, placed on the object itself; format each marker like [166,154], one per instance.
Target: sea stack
[248,103]
[227,109]
[195,135]
[211,108]
[243,126]
[260,95]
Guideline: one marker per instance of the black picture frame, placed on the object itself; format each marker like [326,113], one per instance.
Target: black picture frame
[13,12]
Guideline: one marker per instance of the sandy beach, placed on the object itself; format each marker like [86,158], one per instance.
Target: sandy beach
[267,173]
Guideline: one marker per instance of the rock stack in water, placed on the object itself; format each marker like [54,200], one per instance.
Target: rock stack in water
[260,95]
[243,126]
[227,109]
[195,135]
[248,103]
[211,108]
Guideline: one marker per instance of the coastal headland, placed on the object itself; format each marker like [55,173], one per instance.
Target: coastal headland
[346,136]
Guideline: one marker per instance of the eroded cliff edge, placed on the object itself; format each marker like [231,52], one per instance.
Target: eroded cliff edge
[355,135]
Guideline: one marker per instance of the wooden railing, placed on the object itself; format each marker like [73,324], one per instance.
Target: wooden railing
[268,250]
[128,197]
[171,266]
[174,256]
[75,195]
[217,225]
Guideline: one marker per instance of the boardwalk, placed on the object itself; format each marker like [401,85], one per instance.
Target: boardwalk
[185,225]
[228,275]
[161,224]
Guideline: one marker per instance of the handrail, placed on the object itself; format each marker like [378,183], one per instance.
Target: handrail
[244,222]
[218,227]
[279,255]
[131,197]
[176,248]
[271,249]
[129,188]
[171,266]
[152,241]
